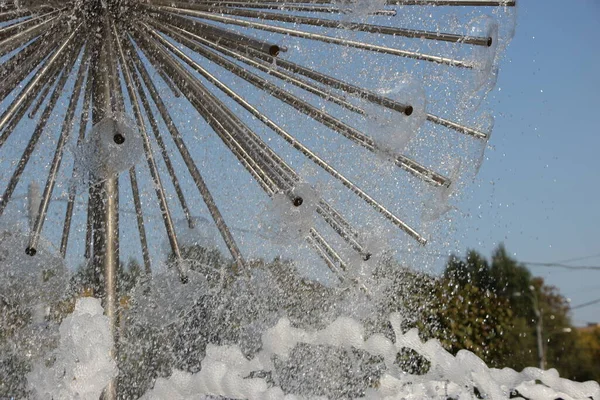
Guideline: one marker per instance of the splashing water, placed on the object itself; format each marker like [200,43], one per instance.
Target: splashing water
[114,145]
[83,367]
[248,338]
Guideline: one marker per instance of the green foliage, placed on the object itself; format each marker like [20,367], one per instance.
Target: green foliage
[474,319]
[492,308]
[588,340]
[412,362]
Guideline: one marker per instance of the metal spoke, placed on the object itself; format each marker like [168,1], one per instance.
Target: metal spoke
[56,162]
[192,168]
[12,42]
[304,107]
[160,192]
[184,41]
[83,122]
[39,129]
[219,60]
[298,145]
[292,7]
[163,149]
[318,37]
[325,23]
[29,92]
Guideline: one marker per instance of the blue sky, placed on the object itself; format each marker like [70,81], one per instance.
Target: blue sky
[538,190]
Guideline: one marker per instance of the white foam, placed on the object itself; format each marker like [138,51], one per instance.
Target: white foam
[83,364]
[224,369]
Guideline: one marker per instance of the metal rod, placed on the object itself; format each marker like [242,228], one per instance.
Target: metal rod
[89,228]
[83,122]
[14,122]
[16,70]
[17,60]
[471,3]
[225,125]
[342,228]
[235,51]
[85,112]
[332,220]
[363,93]
[337,84]
[38,80]
[163,148]
[140,221]
[315,113]
[120,107]
[14,14]
[318,37]
[186,84]
[169,83]
[345,25]
[189,162]
[457,127]
[333,253]
[39,129]
[15,41]
[282,174]
[290,139]
[229,36]
[65,133]
[259,82]
[289,7]
[330,251]
[43,94]
[104,193]
[11,30]
[322,250]
[292,67]
[15,80]
[489,3]
[160,193]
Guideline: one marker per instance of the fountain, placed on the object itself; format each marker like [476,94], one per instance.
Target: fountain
[356,122]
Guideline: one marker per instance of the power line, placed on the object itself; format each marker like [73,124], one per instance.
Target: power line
[589,303]
[580,258]
[559,265]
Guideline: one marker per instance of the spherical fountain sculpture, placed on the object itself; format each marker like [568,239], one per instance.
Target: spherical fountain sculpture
[130,97]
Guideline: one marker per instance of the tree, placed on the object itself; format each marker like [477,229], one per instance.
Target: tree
[469,314]
[497,310]
[588,343]
[473,270]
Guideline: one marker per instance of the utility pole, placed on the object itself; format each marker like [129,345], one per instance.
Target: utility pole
[539,332]
[539,326]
